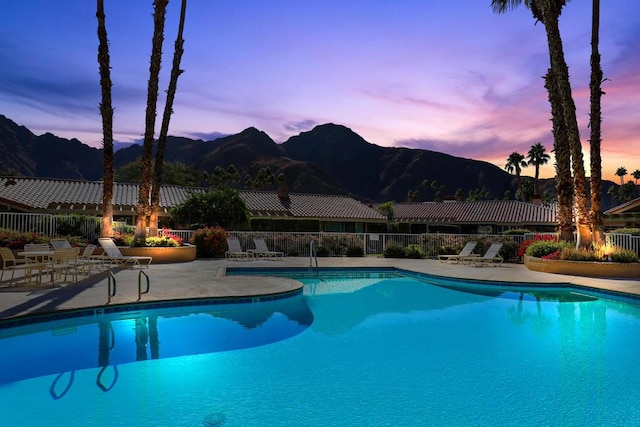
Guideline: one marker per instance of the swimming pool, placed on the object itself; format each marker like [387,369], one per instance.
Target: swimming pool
[359,348]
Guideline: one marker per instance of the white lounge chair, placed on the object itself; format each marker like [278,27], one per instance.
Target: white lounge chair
[60,243]
[116,258]
[455,258]
[490,257]
[235,252]
[88,260]
[262,251]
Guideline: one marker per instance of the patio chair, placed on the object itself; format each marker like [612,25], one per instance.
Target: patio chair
[464,253]
[115,257]
[235,252]
[262,251]
[9,262]
[87,260]
[64,260]
[490,257]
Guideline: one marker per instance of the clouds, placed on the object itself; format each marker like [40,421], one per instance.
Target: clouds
[463,81]
[300,126]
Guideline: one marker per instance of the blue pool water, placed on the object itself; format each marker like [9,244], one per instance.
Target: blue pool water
[369,348]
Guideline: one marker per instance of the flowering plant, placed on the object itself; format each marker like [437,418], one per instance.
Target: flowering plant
[537,238]
[210,242]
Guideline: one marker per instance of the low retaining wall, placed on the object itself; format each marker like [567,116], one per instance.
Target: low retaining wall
[584,268]
[163,255]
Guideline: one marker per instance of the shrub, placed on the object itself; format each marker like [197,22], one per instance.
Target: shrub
[355,251]
[623,255]
[17,239]
[210,242]
[322,251]
[122,239]
[394,251]
[414,251]
[160,241]
[509,250]
[166,233]
[447,250]
[578,254]
[522,250]
[543,247]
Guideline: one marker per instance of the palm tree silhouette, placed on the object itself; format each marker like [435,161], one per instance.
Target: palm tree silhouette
[537,156]
[515,163]
[621,172]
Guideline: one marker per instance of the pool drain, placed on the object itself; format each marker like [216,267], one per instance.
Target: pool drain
[214,419]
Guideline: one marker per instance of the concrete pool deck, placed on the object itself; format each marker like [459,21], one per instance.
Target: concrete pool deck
[206,279]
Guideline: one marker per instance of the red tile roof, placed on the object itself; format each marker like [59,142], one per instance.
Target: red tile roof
[510,212]
[44,194]
[267,203]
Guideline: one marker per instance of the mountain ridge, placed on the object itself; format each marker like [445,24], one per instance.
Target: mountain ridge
[328,159]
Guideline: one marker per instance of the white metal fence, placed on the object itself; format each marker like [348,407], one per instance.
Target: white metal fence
[52,225]
[337,244]
[293,243]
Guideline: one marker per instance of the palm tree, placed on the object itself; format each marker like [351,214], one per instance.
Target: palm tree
[636,175]
[548,12]
[595,121]
[515,163]
[425,185]
[106,110]
[388,211]
[564,187]
[621,172]
[143,208]
[537,156]
[164,128]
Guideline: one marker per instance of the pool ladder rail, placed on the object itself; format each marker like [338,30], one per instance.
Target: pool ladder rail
[313,254]
[112,285]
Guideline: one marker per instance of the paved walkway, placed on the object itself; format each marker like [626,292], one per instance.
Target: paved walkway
[206,279]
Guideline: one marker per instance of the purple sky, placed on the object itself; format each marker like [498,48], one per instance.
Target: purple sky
[423,74]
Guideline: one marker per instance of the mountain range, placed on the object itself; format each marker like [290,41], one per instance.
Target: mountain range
[329,159]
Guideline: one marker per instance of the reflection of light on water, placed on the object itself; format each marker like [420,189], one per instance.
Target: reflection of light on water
[394,348]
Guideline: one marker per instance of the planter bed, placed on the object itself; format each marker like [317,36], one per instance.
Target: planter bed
[584,268]
[163,255]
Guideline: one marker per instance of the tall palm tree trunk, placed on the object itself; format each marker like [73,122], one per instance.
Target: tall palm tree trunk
[564,185]
[595,121]
[143,209]
[550,10]
[106,111]
[164,128]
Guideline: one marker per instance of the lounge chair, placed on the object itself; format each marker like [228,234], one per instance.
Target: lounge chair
[115,257]
[490,257]
[235,252]
[464,253]
[88,260]
[262,251]
[60,243]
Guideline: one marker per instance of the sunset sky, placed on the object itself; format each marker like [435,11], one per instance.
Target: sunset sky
[446,76]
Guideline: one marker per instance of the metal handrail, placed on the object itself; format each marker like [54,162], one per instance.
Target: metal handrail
[111,290]
[313,254]
[140,292]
